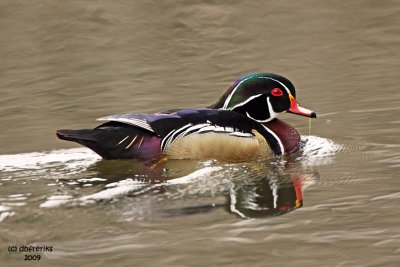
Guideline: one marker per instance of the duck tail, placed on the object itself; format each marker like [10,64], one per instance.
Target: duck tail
[76,135]
[115,141]
[91,138]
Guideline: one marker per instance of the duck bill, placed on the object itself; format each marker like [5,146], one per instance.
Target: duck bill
[296,109]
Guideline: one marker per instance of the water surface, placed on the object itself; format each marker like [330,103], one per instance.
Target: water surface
[335,203]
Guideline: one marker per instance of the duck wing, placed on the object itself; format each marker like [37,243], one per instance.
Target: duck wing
[177,126]
[188,133]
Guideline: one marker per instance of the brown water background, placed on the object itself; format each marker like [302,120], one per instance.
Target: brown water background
[66,63]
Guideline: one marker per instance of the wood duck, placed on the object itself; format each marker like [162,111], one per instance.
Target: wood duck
[240,126]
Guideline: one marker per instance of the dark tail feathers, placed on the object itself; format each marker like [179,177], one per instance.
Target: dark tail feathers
[91,138]
[77,135]
[115,141]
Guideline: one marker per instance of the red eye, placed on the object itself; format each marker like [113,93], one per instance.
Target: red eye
[276,92]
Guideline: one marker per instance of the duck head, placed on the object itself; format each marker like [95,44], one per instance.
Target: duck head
[261,97]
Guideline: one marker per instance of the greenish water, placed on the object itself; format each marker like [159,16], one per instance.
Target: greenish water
[66,63]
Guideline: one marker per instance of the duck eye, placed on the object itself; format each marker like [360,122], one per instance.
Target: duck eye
[276,92]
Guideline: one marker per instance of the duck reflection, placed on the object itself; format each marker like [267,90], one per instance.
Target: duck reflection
[252,190]
[274,194]
[145,171]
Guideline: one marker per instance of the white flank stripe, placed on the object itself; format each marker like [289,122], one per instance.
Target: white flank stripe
[170,136]
[214,128]
[165,139]
[199,129]
[186,131]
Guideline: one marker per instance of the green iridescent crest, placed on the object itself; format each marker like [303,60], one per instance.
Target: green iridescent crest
[251,85]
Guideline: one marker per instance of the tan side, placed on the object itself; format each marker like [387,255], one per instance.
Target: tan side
[218,146]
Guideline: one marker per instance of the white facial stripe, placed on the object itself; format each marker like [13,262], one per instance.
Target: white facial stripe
[228,99]
[245,102]
[284,86]
[277,138]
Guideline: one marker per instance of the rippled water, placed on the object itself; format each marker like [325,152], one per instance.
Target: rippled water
[334,203]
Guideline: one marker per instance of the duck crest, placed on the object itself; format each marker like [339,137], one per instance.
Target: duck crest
[250,85]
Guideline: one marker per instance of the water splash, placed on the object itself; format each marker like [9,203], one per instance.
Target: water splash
[317,151]
[60,161]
